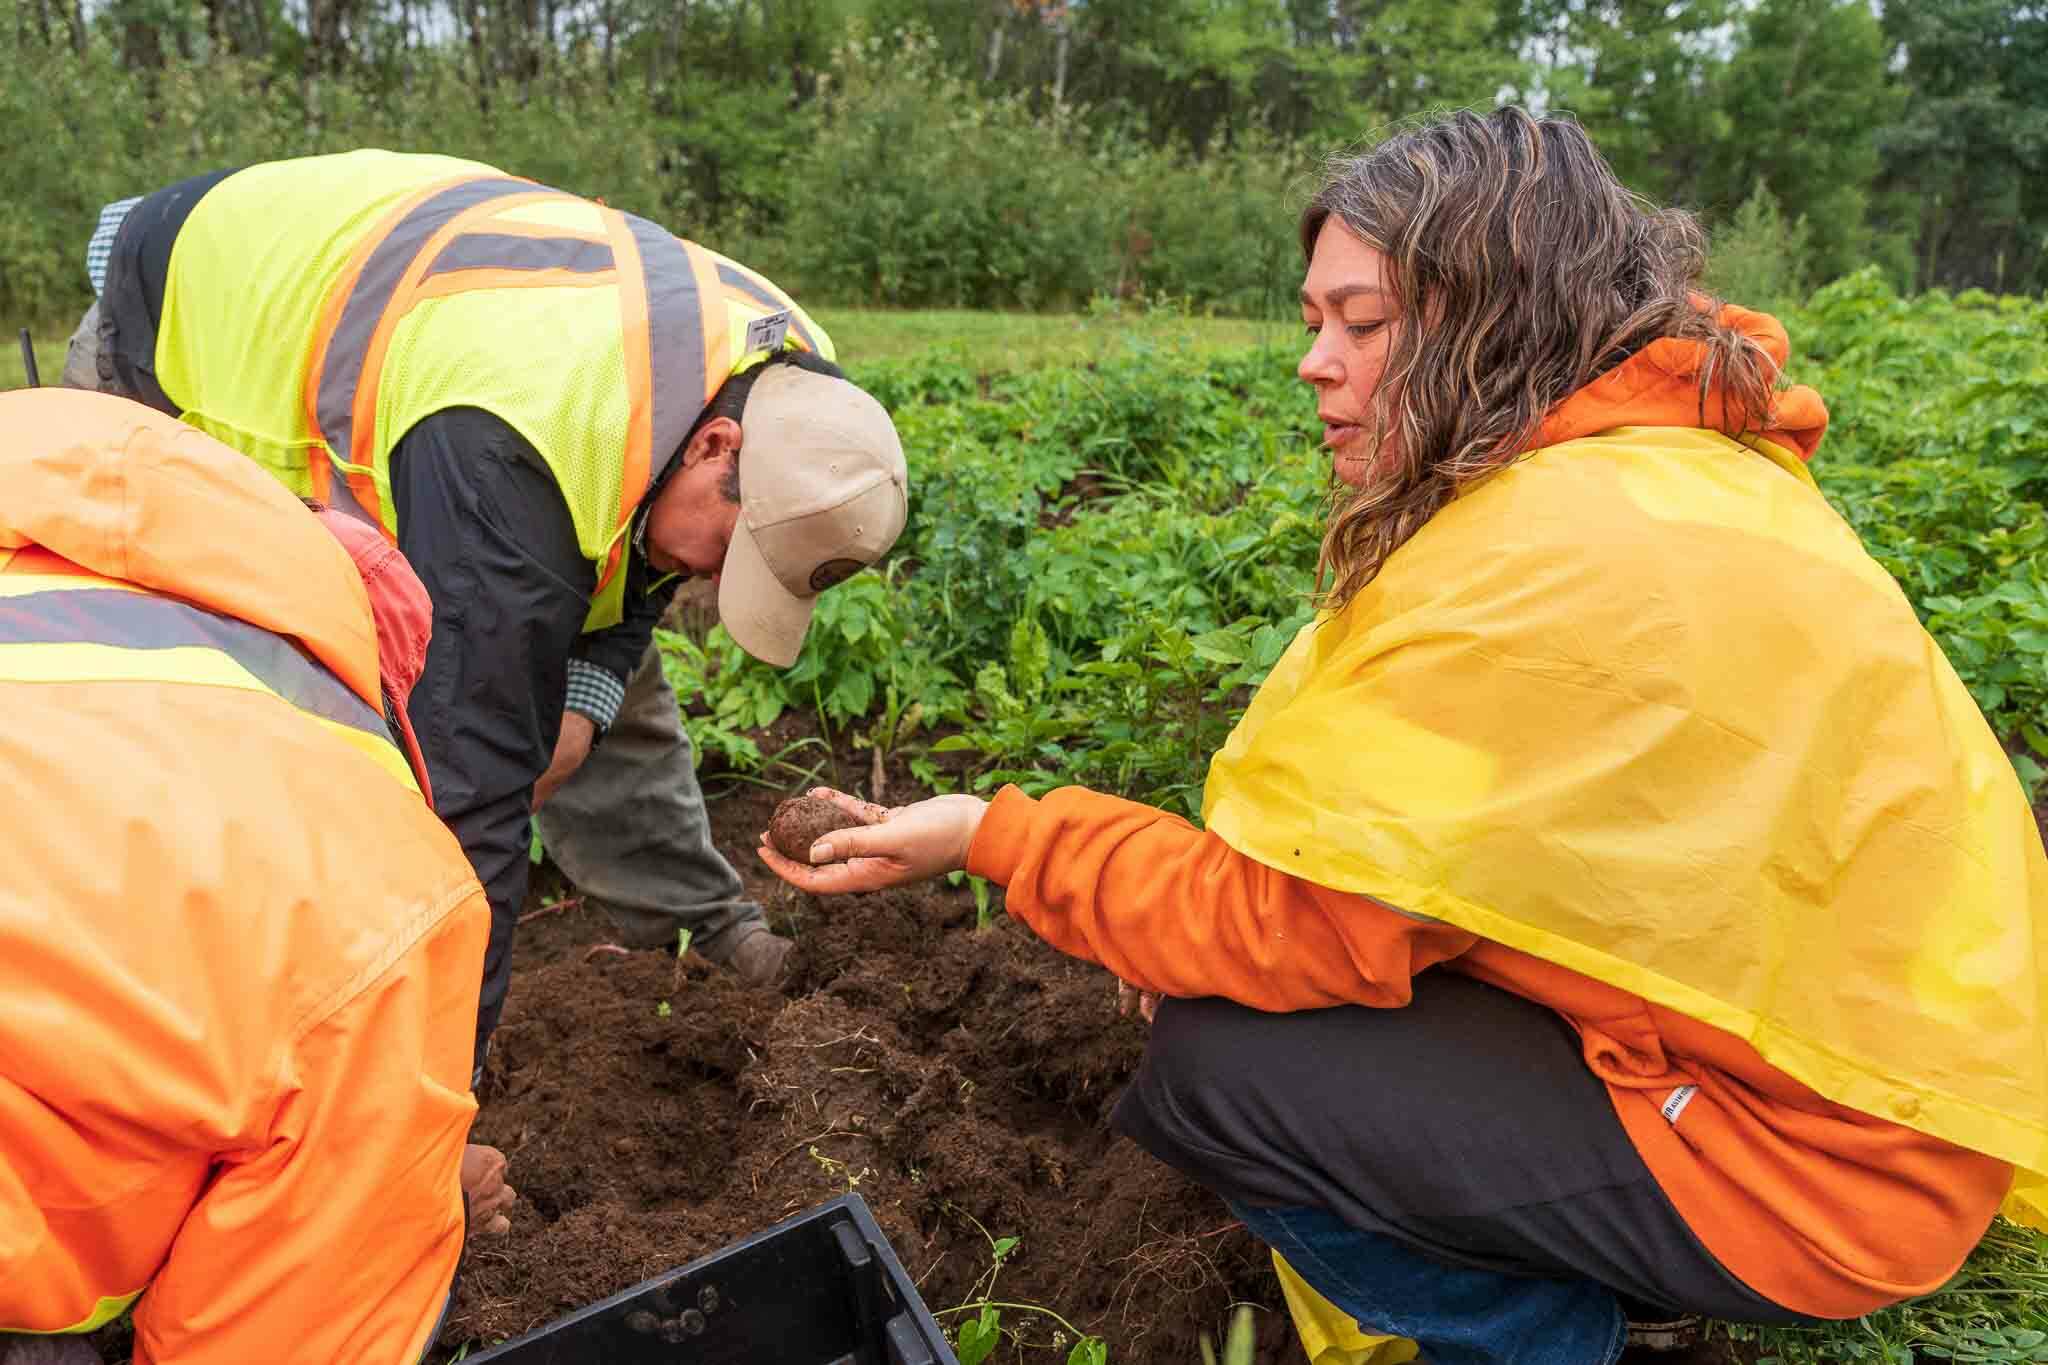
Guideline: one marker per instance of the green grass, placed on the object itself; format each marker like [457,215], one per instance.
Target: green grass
[50,346]
[983,341]
[1995,1309]
[1029,341]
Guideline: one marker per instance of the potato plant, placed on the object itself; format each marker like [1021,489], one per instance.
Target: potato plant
[1103,560]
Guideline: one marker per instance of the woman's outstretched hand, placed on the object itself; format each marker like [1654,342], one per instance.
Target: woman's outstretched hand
[888,848]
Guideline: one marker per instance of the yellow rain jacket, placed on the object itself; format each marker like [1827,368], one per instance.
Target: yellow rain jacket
[1635,728]
[1642,706]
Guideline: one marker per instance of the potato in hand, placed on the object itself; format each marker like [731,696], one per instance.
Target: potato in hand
[803,820]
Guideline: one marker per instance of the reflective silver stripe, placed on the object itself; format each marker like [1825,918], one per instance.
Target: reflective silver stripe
[507,251]
[675,344]
[342,498]
[740,280]
[121,619]
[348,348]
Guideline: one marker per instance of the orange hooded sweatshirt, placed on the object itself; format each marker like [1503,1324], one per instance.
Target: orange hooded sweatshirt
[1817,1207]
[238,953]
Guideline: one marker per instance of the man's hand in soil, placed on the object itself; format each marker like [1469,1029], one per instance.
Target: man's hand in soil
[890,848]
[1127,995]
[572,746]
[484,1192]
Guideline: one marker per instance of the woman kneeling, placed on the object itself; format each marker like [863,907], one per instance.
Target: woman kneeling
[1613,894]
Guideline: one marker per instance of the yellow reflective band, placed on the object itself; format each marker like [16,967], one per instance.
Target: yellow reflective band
[22,584]
[104,1312]
[378,751]
[185,665]
[38,662]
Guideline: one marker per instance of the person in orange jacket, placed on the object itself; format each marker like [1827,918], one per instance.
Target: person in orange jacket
[239,956]
[1613,899]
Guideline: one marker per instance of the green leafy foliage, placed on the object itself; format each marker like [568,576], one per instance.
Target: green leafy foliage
[1761,258]
[1240,1342]
[1023,153]
[923,189]
[978,1335]
[1995,1309]
[1103,561]
[1938,456]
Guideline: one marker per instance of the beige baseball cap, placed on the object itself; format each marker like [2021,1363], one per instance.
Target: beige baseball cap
[824,493]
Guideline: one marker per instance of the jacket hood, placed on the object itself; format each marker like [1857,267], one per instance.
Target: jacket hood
[130,493]
[1659,386]
[404,617]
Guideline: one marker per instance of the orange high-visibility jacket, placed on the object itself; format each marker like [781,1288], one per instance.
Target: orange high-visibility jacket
[238,953]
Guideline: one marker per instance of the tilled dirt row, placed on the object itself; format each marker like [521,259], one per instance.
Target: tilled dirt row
[958,1079]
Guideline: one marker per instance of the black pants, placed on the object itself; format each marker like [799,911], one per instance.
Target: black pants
[1465,1125]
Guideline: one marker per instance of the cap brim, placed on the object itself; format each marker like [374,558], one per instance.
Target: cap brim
[764,618]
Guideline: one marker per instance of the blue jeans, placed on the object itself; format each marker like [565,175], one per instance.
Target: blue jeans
[1457,1316]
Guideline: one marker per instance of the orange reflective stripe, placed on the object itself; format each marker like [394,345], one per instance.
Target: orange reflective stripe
[344,289]
[364,409]
[639,377]
[360,304]
[675,340]
[459,281]
[517,227]
[713,321]
[456,237]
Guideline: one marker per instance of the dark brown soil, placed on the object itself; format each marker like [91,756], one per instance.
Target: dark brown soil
[958,1079]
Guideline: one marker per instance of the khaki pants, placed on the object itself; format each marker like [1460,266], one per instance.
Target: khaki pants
[630,830]
[82,356]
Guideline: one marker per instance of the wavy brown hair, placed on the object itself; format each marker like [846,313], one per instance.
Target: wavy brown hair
[1523,270]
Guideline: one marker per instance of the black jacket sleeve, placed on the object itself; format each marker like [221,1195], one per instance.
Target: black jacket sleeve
[138,272]
[618,649]
[487,530]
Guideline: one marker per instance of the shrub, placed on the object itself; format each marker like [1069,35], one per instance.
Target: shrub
[1759,258]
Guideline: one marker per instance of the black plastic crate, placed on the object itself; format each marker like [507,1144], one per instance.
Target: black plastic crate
[822,1288]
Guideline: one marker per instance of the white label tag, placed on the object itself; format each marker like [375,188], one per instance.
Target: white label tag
[767,333]
[1680,1098]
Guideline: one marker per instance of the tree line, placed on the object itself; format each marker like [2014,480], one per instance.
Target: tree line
[1154,146]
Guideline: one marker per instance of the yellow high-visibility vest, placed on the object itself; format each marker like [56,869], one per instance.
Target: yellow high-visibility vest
[316,309]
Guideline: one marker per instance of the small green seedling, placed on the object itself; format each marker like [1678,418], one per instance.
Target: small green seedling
[977,1337]
[682,947]
[1238,1342]
[664,1009]
[984,914]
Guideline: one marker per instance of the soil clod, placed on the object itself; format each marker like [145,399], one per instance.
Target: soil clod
[803,820]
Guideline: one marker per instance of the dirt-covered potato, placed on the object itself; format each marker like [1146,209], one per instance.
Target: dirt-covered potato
[801,821]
